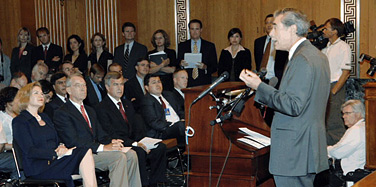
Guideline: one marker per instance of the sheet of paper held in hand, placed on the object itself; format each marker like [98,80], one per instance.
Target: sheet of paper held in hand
[192,59]
[254,139]
[150,143]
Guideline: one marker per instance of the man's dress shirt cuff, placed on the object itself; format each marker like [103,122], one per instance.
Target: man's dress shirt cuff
[100,148]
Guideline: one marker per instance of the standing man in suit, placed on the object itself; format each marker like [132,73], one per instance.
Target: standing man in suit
[95,88]
[298,126]
[77,126]
[208,65]
[134,87]
[58,81]
[51,54]
[180,78]
[117,117]
[128,53]
[275,60]
[339,56]
[161,112]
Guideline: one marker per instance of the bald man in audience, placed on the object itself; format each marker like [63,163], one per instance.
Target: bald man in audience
[180,79]
[77,125]
[116,67]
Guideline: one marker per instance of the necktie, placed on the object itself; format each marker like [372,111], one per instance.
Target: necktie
[126,56]
[195,70]
[265,57]
[85,117]
[122,111]
[163,104]
[45,52]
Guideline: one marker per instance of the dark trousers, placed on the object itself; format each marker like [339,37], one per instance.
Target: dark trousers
[158,161]
[7,164]
[175,131]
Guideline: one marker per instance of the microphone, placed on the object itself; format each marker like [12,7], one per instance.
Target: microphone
[224,76]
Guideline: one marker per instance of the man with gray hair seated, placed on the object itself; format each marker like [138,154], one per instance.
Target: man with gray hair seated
[350,152]
[39,72]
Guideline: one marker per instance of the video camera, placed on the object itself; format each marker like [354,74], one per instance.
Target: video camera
[372,61]
[317,36]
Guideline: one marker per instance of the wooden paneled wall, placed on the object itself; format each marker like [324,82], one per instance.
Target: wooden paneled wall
[218,17]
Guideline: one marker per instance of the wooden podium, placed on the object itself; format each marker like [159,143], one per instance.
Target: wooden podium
[370,104]
[246,166]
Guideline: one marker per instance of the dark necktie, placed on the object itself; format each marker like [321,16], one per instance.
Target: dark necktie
[122,112]
[126,56]
[265,57]
[85,117]
[163,104]
[45,52]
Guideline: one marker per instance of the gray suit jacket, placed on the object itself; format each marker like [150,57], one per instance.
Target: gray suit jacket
[138,51]
[298,130]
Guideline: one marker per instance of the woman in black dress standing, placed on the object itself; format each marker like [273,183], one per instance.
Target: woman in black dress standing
[77,54]
[99,52]
[235,57]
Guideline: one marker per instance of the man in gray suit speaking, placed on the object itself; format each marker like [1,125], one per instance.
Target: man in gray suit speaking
[298,142]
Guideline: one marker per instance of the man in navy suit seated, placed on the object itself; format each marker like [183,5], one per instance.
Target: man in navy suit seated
[58,81]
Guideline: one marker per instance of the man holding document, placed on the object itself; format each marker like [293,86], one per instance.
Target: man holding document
[198,56]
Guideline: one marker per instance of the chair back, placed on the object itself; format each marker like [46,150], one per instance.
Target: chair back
[17,155]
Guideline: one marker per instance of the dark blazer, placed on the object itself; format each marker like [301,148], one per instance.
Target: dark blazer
[113,122]
[52,106]
[53,50]
[74,131]
[103,59]
[92,97]
[280,58]
[209,57]
[80,63]
[154,115]
[298,126]
[178,98]
[166,78]
[133,90]
[138,51]
[25,63]
[37,148]
[242,60]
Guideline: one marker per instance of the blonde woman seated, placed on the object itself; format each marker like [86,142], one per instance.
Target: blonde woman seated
[42,156]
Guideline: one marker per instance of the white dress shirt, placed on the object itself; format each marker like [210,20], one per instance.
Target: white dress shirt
[6,120]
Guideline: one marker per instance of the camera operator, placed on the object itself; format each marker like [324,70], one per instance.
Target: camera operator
[339,56]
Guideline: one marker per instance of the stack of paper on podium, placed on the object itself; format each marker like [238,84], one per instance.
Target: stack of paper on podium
[150,143]
[192,59]
[254,139]
[158,57]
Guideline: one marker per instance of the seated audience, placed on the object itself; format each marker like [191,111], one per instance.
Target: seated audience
[134,87]
[77,126]
[39,72]
[161,112]
[117,117]
[77,54]
[42,156]
[235,57]
[19,80]
[58,82]
[350,152]
[6,134]
[48,53]
[99,52]
[5,74]
[47,89]
[180,81]
[116,67]
[166,68]
[95,89]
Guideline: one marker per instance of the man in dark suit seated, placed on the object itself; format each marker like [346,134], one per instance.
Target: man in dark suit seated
[134,87]
[117,118]
[77,126]
[127,54]
[161,112]
[51,54]
[208,65]
[58,81]
[115,67]
[180,79]
[95,88]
